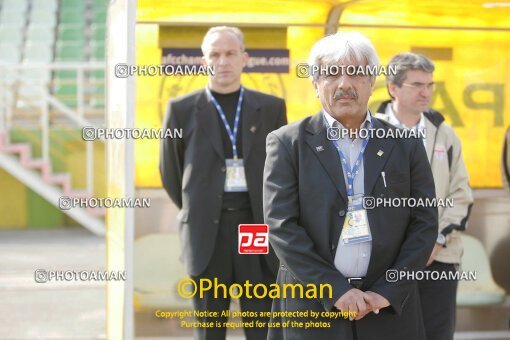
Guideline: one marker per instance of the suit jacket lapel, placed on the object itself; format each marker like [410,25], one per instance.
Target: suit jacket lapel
[207,119]
[375,157]
[250,112]
[326,152]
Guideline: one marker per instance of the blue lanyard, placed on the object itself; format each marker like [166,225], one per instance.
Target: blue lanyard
[231,135]
[351,173]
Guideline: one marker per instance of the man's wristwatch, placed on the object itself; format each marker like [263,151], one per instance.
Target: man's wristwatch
[441,239]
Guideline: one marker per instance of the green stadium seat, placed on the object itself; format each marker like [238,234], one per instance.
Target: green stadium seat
[70,52]
[72,16]
[72,25]
[98,32]
[96,75]
[96,95]
[65,75]
[99,16]
[66,93]
[65,89]
[71,34]
[100,3]
[96,90]
[97,103]
[76,5]
[97,51]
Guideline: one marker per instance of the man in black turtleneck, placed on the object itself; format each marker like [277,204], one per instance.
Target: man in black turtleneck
[228,102]
[214,176]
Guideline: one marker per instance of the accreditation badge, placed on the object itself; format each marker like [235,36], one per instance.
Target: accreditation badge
[235,180]
[356,228]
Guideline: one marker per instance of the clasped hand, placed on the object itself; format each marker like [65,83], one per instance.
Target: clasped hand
[358,303]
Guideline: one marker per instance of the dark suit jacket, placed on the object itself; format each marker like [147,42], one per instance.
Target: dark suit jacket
[305,202]
[193,168]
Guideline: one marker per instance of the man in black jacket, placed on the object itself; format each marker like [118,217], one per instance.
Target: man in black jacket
[214,175]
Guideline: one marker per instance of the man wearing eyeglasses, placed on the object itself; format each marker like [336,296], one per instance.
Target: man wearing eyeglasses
[411,88]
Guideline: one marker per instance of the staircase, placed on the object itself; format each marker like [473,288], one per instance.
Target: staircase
[37,173]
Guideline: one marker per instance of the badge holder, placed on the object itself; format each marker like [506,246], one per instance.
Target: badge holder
[235,180]
[356,228]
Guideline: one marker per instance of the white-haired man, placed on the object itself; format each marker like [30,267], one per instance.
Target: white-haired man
[214,175]
[315,194]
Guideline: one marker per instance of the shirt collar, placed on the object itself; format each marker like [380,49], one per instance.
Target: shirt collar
[394,120]
[331,121]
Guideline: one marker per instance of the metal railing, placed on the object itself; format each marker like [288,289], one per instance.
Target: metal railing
[16,103]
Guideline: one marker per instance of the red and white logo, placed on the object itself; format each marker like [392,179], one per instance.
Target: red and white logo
[253,239]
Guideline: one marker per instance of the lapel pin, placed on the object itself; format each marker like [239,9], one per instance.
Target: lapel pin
[319,148]
[253,129]
[380,153]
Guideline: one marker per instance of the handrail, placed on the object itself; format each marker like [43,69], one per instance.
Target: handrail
[12,79]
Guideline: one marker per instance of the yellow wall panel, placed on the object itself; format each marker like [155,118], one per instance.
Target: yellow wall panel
[13,206]
[472,73]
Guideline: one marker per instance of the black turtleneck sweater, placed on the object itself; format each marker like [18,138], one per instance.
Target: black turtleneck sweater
[228,103]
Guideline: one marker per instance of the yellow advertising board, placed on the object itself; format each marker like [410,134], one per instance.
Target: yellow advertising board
[472,70]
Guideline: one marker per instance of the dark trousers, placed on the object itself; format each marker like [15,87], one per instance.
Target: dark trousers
[229,267]
[438,303]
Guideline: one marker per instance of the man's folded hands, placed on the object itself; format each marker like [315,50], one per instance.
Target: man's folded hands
[358,303]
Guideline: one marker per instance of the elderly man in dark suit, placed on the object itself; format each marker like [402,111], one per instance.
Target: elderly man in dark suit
[315,187]
[214,175]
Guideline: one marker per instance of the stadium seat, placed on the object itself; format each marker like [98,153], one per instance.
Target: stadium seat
[97,75]
[99,15]
[9,53]
[13,18]
[41,33]
[48,5]
[80,37]
[72,16]
[15,5]
[30,94]
[97,51]
[482,291]
[97,103]
[43,17]
[11,35]
[38,52]
[72,33]
[97,91]
[66,93]
[38,76]
[70,51]
[76,5]
[96,95]
[99,3]
[98,32]
[155,286]
[65,74]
